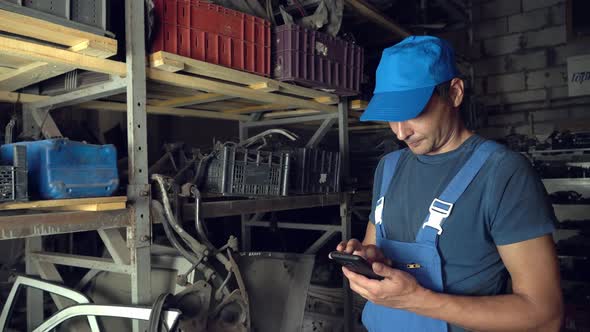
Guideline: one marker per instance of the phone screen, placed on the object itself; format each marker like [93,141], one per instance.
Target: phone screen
[355,263]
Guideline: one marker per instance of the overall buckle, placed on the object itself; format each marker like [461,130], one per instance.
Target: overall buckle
[439,211]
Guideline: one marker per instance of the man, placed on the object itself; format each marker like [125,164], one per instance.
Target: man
[454,216]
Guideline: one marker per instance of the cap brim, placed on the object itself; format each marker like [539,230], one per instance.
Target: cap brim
[397,106]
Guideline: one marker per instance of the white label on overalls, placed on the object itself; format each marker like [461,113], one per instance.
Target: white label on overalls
[379,211]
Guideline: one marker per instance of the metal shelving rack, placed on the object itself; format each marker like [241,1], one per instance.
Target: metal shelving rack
[568,212]
[131,254]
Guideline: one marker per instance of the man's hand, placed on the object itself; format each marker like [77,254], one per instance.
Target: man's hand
[370,252]
[398,289]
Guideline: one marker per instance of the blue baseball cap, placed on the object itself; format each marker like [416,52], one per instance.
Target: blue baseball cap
[406,77]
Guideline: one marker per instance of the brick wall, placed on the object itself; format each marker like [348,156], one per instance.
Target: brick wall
[520,69]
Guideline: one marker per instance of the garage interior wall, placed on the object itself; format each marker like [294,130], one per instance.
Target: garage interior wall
[520,66]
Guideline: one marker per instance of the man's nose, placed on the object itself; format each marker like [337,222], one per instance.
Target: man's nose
[401,130]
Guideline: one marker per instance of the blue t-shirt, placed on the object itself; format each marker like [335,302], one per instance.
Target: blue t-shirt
[505,203]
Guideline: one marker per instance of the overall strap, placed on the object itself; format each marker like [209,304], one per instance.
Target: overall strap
[389,167]
[441,207]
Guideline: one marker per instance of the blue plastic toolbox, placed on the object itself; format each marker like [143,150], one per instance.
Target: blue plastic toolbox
[60,168]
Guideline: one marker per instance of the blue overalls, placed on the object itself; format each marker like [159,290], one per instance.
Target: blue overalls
[420,258]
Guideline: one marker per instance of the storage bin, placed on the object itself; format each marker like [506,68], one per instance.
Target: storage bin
[315,171]
[204,31]
[317,60]
[93,14]
[13,178]
[241,172]
[60,168]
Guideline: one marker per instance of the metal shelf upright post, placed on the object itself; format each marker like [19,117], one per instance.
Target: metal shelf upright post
[131,255]
[138,191]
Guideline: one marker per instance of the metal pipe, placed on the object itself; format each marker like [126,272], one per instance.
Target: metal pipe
[195,246]
[202,234]
[198,222]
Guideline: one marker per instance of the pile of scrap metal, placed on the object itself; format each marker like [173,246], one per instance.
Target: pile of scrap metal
[218,278]
[211,285]
[216,297]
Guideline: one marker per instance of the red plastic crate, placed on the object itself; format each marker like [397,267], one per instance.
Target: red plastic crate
[317,60]
[208,32]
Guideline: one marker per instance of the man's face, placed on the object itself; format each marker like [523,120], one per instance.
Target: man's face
[428,132]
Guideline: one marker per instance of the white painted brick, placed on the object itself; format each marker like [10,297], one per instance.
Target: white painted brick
[551,77]
[561,53]
[559,92]
[557,15]
[524,96]
[506,119]
[536,4]
[500,8]
[489,66]
[491,28]
[532,20]
[527,61]
[502,45]
[546,37]
[505,83]
[527,106]
[550,115]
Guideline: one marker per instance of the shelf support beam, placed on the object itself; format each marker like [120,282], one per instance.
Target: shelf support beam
[287,121]
[345,214]
[35,314]
[139,234]
[321,132]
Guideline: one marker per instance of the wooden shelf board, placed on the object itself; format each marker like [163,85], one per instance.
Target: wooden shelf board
[75,204]
[33,60]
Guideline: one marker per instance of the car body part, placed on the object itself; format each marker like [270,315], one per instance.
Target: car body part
[23,281]
[170,317]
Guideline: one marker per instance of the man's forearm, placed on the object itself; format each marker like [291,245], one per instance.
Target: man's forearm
[510,312]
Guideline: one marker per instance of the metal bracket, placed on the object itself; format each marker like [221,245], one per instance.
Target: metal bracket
[320,242]
[320,133]
[116,245]
[39,121]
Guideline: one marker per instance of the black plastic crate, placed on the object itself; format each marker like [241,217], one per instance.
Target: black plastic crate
[13,179]
[237,171]
[315,171]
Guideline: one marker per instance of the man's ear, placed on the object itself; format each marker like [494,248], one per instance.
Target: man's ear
[456,92]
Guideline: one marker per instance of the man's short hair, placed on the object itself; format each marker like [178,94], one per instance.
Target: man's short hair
[443,90]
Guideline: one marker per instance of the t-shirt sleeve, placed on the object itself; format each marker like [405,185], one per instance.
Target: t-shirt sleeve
[520,207]
[376,188]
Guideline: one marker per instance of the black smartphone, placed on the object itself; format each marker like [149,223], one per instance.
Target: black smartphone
[355,264]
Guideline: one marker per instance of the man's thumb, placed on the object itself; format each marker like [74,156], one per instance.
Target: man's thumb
[381,269]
